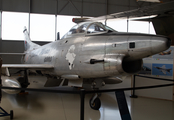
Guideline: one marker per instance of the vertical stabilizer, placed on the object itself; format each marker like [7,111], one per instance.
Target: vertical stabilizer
[28,44]
[164,67]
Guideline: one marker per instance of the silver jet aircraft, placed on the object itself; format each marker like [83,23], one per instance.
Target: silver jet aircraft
[89,53]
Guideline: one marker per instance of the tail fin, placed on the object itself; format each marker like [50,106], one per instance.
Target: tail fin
[168,70]
[28,44]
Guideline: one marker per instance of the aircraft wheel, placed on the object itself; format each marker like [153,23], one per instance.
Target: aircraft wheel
[96,104]
[22,81]
[11,114]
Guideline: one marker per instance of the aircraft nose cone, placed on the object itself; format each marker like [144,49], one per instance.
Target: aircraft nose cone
[159,44]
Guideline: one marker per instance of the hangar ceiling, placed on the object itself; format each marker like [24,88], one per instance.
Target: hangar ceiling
[91,8]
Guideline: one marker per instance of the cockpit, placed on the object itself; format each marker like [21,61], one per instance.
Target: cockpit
[88,28]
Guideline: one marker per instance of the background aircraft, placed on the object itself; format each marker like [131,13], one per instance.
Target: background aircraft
[162,20]
[163,69]
[165,53]
[89,53]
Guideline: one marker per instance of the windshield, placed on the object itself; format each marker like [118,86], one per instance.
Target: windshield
[78,29]
[98,27]
[88,27]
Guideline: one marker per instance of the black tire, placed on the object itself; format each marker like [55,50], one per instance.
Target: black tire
[96,104]
[22,81]
[11,114]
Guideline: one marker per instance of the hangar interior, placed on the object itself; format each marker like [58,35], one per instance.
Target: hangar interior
[45,106]
[53,8]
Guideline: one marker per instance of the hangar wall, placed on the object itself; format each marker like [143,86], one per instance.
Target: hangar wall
[7,46]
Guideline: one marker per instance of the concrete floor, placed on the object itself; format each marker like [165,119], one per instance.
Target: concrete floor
[59,106]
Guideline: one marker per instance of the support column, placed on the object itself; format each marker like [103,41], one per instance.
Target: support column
[30,7]
[127,24]
[0,21]
[0,24]
[0,30]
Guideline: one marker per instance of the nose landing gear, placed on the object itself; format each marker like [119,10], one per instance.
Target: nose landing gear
[95,103]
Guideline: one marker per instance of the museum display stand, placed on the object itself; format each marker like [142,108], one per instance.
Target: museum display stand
[4,113]
[163,88]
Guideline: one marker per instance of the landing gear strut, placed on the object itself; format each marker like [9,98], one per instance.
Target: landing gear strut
[95,102]
[24,80]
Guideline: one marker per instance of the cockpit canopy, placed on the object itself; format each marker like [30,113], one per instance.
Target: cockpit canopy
[88,28]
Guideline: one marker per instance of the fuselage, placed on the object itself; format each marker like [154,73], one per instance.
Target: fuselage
[112,53]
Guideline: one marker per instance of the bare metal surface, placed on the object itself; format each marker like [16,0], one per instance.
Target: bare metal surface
[113,53]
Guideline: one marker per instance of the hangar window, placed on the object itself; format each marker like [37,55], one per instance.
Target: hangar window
[42,27]
[13,24]
[118,24]
[146,27]
[64,24]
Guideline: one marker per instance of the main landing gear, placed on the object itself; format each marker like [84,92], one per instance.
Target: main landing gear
[23,81]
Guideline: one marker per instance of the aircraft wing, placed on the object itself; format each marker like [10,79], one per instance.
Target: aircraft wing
[164,72]
[25,66]
[164,67]
[28,66]
[160,9]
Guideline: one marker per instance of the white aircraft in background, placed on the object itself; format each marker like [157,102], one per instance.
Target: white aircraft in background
[163,69]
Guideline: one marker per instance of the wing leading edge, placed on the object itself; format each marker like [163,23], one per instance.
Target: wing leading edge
[28,66]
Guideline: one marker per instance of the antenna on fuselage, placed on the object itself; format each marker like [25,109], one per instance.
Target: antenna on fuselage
[58,35]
